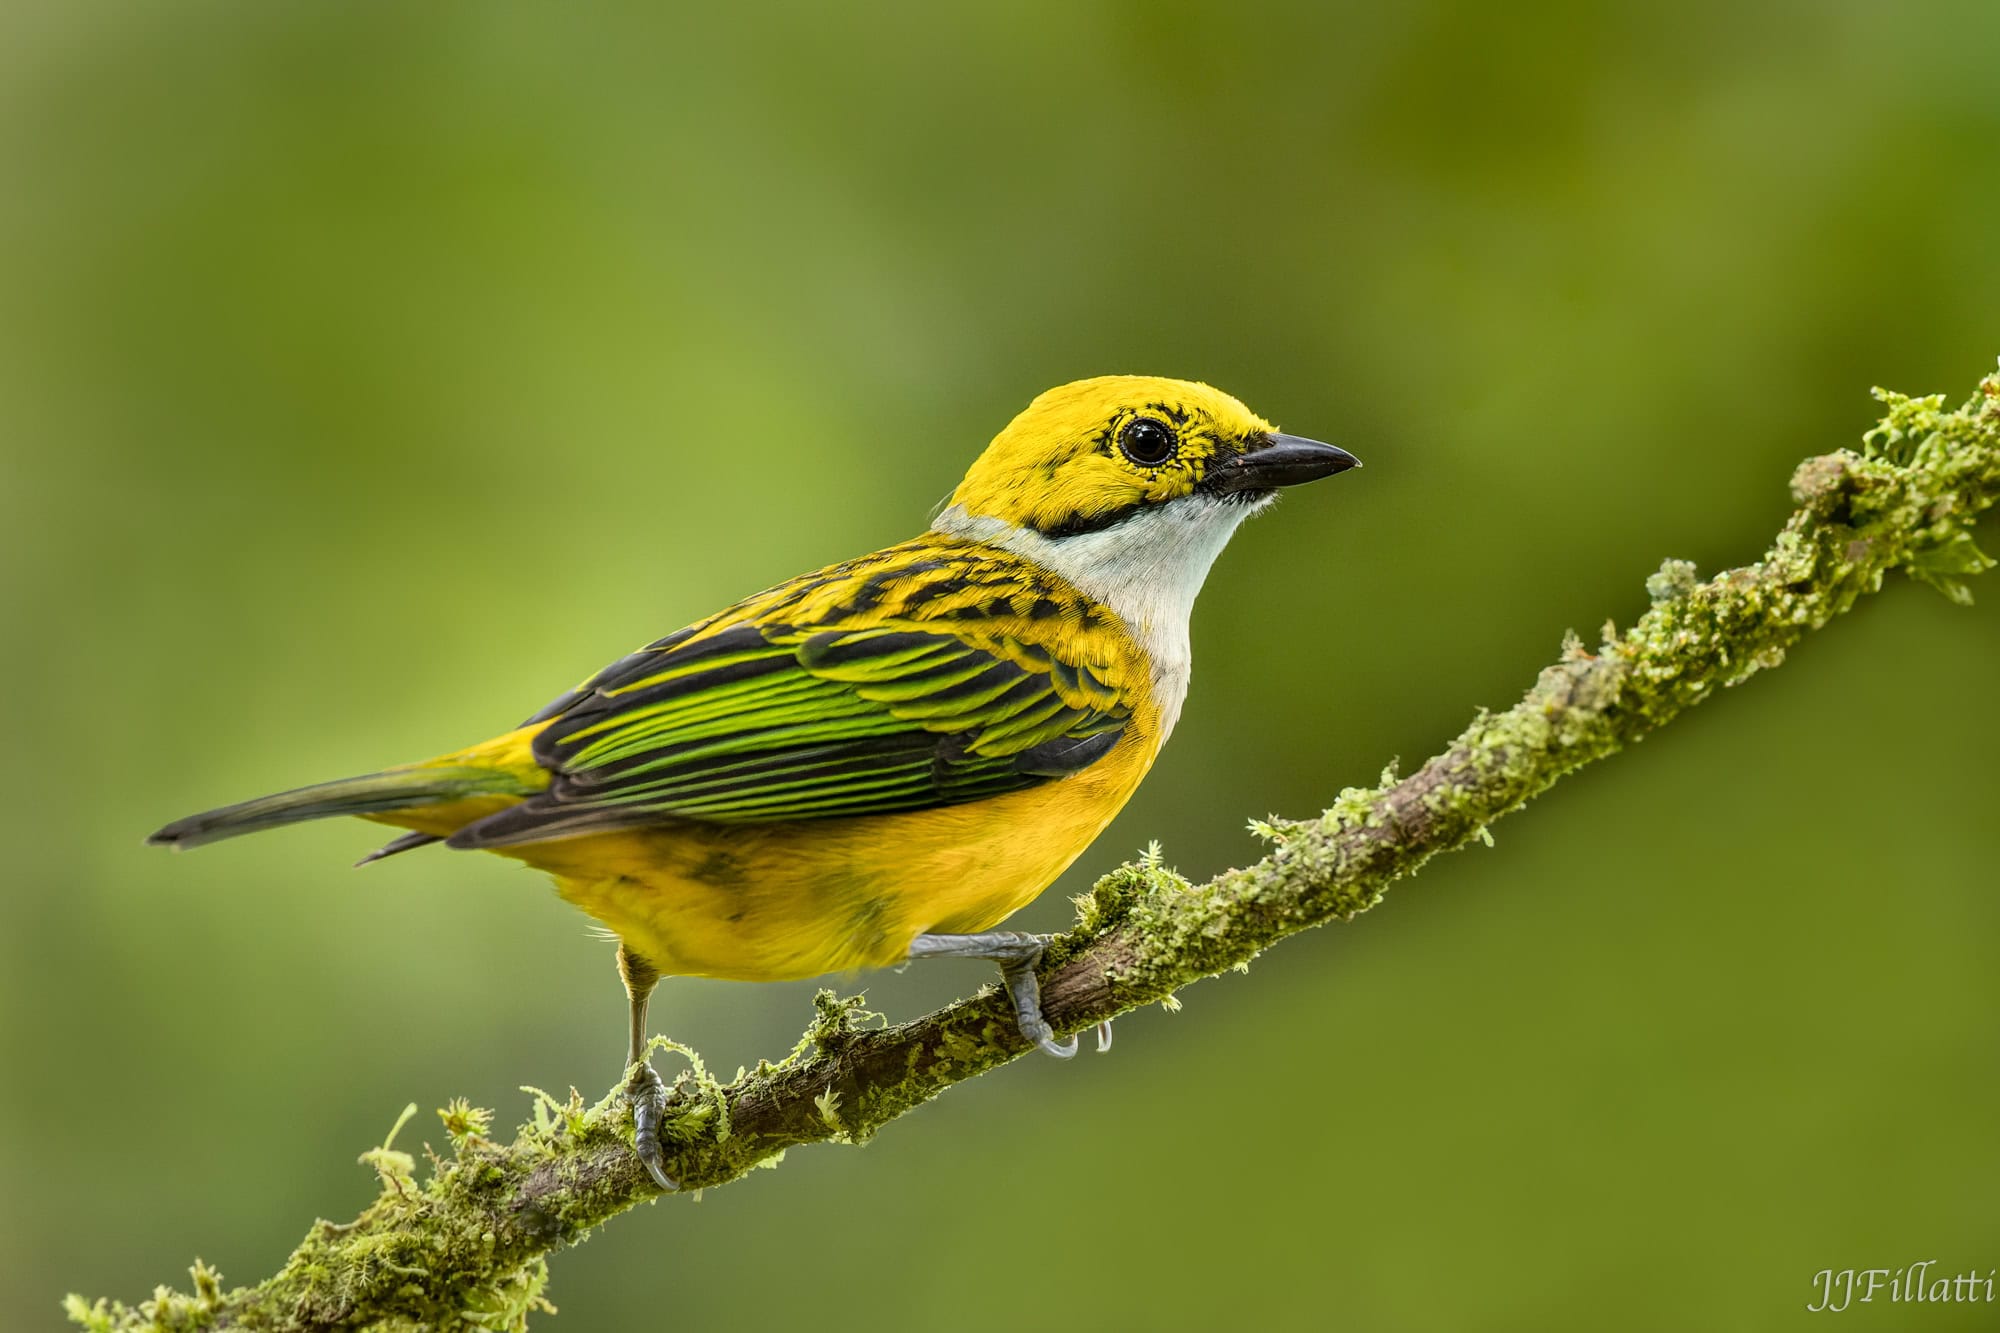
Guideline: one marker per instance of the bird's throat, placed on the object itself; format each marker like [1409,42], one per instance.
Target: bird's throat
[1146,569]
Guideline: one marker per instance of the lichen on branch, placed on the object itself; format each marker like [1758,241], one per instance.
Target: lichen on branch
[465,1242]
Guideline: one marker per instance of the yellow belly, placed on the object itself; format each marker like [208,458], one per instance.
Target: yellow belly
[775,902]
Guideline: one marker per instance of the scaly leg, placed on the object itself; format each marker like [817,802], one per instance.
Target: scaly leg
[1017,953]
[647,1091]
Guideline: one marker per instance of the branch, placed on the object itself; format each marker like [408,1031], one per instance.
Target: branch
[469,1241]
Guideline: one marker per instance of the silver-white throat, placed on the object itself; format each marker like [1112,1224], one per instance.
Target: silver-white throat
[1147,569]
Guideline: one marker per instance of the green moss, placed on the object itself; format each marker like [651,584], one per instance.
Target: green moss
[1675,580]
[465,1123]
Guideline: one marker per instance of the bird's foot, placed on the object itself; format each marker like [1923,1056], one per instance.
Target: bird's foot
[1039,1032]
[1017,953]
[647,1092]
[1026,991]
[1036,1029]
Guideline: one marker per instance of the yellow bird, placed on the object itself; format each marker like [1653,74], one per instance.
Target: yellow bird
[883,759]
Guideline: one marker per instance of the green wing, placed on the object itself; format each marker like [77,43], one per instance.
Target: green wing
[753,725]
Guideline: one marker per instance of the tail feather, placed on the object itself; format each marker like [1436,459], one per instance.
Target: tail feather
[409,842]
[372,794]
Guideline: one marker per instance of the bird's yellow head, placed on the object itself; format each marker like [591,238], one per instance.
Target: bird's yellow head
[1088,455]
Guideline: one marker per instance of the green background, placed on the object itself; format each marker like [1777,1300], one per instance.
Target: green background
[371,372]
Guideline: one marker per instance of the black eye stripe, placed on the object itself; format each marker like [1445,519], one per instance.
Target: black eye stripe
[1147,441]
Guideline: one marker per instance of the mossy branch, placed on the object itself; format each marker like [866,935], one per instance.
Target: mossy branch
[466,1245]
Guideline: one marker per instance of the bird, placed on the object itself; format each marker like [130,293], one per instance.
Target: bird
[881,760]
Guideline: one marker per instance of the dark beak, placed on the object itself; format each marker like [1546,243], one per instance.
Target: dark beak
[1279,460]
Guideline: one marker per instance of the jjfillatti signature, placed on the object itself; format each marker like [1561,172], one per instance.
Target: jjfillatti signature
[1839,1288]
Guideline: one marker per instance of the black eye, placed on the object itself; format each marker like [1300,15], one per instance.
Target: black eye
[1147,442]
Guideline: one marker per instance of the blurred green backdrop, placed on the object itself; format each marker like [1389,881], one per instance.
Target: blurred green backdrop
[369,372]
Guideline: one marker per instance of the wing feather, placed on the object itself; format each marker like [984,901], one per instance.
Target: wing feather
[773,719]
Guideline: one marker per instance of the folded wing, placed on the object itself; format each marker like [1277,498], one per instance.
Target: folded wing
[755,723]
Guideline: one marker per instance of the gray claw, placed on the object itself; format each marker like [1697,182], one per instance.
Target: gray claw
[1060,1050]
[1104,1036]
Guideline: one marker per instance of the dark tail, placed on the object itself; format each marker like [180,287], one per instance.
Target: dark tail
[373,794]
